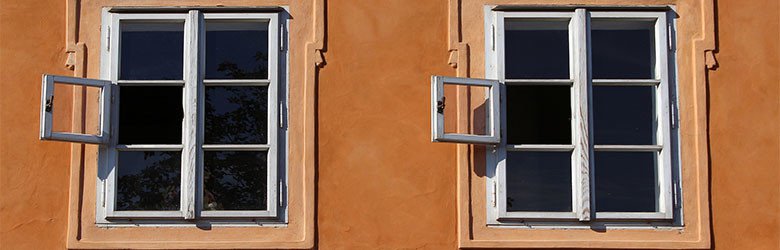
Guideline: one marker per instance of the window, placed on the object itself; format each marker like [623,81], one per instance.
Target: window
[587,121]
[194,129]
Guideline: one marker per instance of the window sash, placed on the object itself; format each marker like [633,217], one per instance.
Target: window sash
[491,116]
[582,147]
[192,148]
[47,102]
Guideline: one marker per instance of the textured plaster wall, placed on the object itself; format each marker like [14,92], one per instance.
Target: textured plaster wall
[745,126]
[381,183]
[33,174]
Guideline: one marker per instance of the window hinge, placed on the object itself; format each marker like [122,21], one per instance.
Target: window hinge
[281,114]
[280,191]
[495,196]
[669,37]
[493,37]
[108,38]
[281,37]
[49,104]
[675,198]
[673,114]
[103,197]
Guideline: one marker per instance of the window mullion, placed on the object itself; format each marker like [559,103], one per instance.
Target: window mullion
[581,168]
[190,124]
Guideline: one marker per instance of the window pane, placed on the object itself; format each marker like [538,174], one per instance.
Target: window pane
[148,180]
[536,49]
[151,51]
[62,109]
[234,180]
[236,49]
[624,115]
[479,99]
[538,181]
[622,49]
[150,115]
[625,181]
[236,115]
[538,114]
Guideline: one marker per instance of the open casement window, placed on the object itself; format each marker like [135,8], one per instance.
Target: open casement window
[49,131]
[190,120]
[442,131]
[585,119]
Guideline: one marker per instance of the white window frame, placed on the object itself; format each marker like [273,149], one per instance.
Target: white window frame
[438,104]
[47,108]
[192,147]
[583,195]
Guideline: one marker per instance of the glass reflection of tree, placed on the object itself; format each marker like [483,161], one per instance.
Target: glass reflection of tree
[234,181]
[236,115]
[257,71]
[151,183]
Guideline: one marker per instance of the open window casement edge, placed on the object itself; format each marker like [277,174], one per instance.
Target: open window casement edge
[438,104]
[47,107]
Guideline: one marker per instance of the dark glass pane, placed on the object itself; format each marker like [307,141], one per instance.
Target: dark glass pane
[148,180]
[538,181]
[538,114]
[622,50]
[624,115]
[234,180]
[625,181]
[236,50]
[236,115]
[150,115]
[536,49]
[151,51]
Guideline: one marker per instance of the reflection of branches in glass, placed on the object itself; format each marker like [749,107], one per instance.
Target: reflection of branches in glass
[148,181]
[259,71]
[234,180]
[236,115]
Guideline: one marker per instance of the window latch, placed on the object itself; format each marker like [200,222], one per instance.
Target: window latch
[49,104]
[440,105]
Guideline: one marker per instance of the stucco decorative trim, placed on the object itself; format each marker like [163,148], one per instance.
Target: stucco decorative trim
[71,32]
[311,48]
[698,56]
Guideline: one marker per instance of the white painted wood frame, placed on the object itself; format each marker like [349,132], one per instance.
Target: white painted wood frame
[110,65]
[438,104]
[271,147]
[47,108]
[192,147]
[582,147]
[663,146]
[496,159]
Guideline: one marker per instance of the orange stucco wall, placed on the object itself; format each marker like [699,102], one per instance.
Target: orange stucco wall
[33,174]
[380,183]
[745,127]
